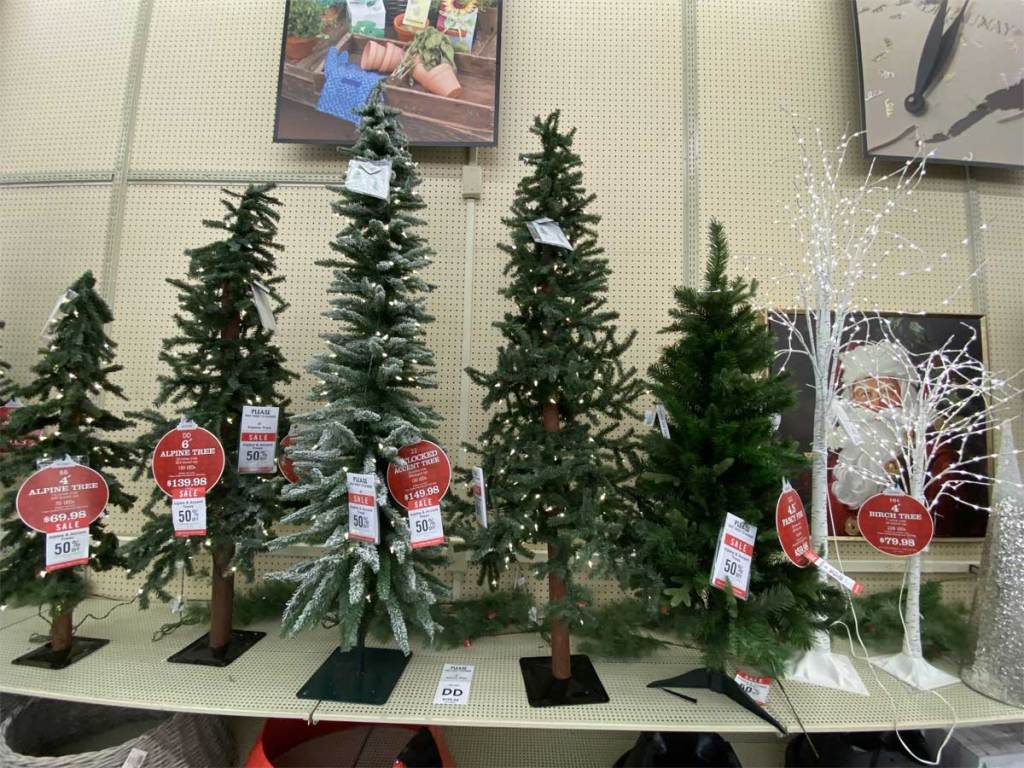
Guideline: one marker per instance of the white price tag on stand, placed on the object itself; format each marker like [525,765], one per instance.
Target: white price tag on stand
[363,519]
[548,232]
[756,687]
[734,555]
[480,496]
[67,549]
[257,440]
[189,517]
[369,177]
[831,571]
[425,527]
[453,687]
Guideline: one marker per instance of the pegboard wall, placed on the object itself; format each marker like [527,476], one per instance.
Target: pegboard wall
[116,140]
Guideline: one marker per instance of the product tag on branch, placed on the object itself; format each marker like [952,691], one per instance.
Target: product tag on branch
[756,687]
[188,461]
[363,520]
[832,572]
[791,526]
[285,464]
[733,556]
[649,418]
[261,300]
[67,549]
[895,523]
[189,517]
[480,496]
[662,415]
[59,310]
[425,527]
[453,687]
[257,440]
[369,177]
[548,232]
[63,496]
[423,478]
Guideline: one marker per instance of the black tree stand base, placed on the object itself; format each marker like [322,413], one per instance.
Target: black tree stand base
[361,676]
[544,690]
[719,683]
[46,658]
[200,652]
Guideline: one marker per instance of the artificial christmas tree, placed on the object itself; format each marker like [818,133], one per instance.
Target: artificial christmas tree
[221,359]
[6,383]
[368,409]
[63,400]
[721,455]
[555,462]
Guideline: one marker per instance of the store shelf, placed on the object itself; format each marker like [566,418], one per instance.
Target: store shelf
[132,671]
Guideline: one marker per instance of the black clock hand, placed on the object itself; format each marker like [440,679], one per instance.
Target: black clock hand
[948,47]
[938,50]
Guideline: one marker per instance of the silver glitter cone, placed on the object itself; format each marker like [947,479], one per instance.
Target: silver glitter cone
[997,669]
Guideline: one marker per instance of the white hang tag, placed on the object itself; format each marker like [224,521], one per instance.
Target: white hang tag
[844,421]
[733,556]
[135,758]
[755,686]
[189,517]
[548,232]
[831,571]
[369,177]
[662,414]
[178,604]
[59,310]
[453,687]
[480,496]
[363,520]
[257,440]
[67,549]
[425,527]
[649,418]
[261,300]
[532,615]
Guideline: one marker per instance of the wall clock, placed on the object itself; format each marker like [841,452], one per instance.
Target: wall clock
[942,77]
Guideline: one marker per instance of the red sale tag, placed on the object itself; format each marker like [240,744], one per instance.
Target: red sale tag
[285,464]
[757,687]
[188,461]
[792,528]
[64,496]
[896,524]
[425,477]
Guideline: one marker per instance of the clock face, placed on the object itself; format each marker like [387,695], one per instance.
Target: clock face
[943,79]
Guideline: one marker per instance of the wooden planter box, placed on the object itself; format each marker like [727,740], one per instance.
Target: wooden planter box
[467,118]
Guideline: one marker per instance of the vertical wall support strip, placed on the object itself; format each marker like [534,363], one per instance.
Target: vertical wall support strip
[468,267]
[692,236]
[975,243]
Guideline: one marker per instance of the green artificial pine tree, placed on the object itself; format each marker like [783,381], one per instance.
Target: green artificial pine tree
[722,456]
[6,383]
[374,364]
[221,359]
[556,463]
[63,400]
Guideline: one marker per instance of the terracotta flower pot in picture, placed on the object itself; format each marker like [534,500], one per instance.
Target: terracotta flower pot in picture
[405,35]
[392,57]
[372,56]
[297,48]
[443,81]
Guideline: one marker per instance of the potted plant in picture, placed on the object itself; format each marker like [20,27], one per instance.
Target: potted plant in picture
[305,23]
[430,60]
[487,18]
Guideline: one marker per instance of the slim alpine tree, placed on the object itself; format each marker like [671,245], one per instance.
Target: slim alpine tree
[721,456]
[555,460]
[369,374]
[221,359]
[62,401]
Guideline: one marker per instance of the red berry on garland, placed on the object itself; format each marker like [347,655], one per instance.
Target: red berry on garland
[467,642]
[492,615]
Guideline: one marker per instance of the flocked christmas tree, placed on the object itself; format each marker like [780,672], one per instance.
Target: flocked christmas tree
[369,375]
[556,461]
[63,402]
[221,359]
[722,456]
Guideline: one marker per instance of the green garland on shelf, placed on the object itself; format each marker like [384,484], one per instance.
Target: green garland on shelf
[495,613]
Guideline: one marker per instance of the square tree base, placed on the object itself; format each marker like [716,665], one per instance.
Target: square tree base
[47,658]
[200,652]
[543,690]
[362,676]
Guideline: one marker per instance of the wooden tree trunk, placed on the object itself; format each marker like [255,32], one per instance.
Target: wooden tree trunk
[561,651]
[61,630]
[222,602]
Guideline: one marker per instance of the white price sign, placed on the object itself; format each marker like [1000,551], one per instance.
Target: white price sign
[369,177]
[189,516]
[67,549]
[453,687]
[548,232]
[662,414]
[257,440]
[480,496]
[363,520]
[425,527]
[756,687]
[733,556]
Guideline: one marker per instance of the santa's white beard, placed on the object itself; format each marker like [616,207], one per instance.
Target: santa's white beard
[860,468]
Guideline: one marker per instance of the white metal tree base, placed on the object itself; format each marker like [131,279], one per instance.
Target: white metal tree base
[914,671]
[829,670]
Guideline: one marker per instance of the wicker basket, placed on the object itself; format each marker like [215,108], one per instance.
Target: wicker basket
[32,732]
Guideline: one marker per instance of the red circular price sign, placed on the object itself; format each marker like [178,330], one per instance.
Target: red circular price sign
[792,527]
[895,524]
[285,464]
[424,479]
[187,462]
[62,497]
